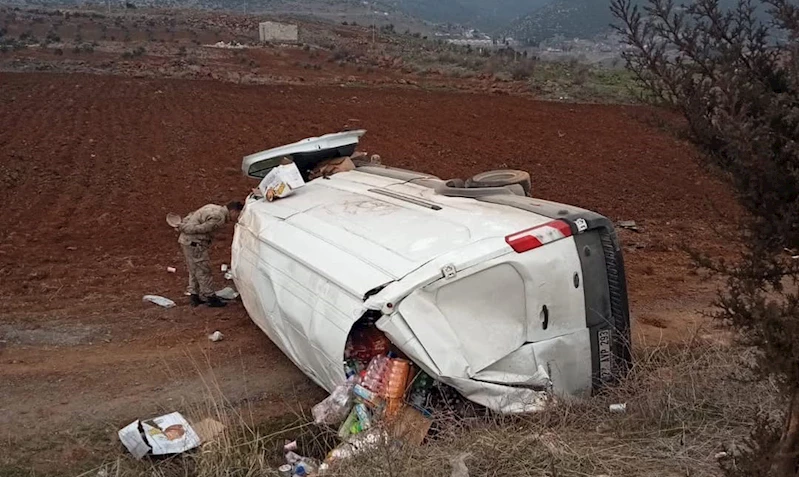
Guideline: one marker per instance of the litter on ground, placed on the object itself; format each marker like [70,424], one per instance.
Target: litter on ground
[159,300]
[459,468]
[629,225]
[216,336]
[164,435]
[290,446]
[618,408]
[233,45]
[227,293]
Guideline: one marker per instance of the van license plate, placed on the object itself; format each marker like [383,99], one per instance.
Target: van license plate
[605,356]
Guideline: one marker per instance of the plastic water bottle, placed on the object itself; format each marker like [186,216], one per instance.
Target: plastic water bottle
[375,376]
[304,468]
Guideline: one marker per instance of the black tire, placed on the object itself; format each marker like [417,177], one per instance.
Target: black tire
[502,178]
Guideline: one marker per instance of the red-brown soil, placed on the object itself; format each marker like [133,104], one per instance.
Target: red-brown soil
[90,165]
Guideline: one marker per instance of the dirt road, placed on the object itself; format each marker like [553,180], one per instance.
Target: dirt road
[90,165]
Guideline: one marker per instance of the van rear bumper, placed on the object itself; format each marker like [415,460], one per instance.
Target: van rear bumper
[607,309]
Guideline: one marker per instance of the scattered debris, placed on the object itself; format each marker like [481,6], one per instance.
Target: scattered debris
[335,408]
[159,300]
[233,45]
[721,455]
[168,434]
[411,426]
[72,249]
[458,463]
[618,408]
[364,442]
[227,293]
[216,336]
[290,446]
[228,276]
[285,470]
[300,466]
[171,269]
[629,225]
[224,267]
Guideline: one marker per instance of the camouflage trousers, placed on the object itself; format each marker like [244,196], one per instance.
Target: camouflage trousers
[198,261]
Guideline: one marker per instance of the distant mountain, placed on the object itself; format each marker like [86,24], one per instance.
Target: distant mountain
[575,19]
[487,15]
[569,18]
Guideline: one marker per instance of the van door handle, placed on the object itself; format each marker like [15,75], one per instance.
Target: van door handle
[545,317]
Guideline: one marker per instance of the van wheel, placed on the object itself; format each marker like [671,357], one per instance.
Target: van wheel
[501,178]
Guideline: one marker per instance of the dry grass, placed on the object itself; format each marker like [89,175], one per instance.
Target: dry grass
[684,405]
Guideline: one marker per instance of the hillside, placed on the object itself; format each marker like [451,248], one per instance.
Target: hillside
[481,14]
[569,18]
[485,15]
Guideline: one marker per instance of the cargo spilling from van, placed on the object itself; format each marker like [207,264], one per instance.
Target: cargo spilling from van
[362,273]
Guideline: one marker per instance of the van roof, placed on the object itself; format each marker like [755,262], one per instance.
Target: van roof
[386,227]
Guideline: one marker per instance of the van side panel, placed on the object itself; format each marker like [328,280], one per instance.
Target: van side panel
[306,313]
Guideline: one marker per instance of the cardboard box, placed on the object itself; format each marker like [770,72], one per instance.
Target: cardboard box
[410,426]
[281,181]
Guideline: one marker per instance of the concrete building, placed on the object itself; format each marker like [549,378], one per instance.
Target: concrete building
[280,32]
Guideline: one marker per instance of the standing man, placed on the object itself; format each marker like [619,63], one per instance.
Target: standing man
[196,232]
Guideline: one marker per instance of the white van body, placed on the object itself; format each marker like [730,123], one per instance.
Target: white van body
[505,298]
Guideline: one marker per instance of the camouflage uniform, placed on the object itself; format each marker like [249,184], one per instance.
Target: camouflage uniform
[197,231]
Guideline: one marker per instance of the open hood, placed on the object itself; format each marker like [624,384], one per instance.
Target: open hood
[305,153]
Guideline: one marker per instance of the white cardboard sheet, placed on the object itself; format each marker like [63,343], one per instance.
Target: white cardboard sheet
[168,434]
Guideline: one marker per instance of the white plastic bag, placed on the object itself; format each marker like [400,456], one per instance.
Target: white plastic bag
[335,408]
[159,300]
[458,463]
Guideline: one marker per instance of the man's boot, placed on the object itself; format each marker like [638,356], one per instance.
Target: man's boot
[215,302]
[195,300]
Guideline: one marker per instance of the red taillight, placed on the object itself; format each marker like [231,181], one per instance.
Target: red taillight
[538,236]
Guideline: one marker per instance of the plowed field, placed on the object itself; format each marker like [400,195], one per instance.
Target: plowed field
[90,165]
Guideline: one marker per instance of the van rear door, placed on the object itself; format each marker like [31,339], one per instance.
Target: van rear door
[515,320]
